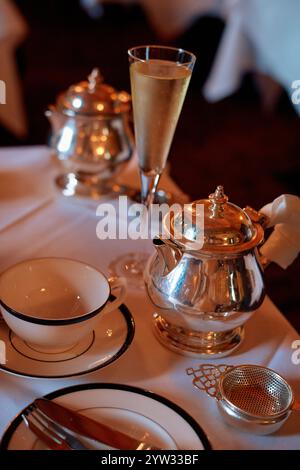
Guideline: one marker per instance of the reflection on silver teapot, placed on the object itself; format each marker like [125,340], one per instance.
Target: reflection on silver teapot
[91,135]
[203,296]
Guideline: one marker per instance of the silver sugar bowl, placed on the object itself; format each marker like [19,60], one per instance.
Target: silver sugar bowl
[204,295]
[91,135]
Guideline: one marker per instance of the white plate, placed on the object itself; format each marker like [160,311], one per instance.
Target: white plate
[106,344]
[141,414]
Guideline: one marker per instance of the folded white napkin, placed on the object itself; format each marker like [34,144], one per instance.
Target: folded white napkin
[260,37]
[283,245]
[233,58]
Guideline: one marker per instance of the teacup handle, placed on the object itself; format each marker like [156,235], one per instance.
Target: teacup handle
[116,283]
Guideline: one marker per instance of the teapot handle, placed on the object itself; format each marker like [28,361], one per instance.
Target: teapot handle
[257,217]
[262,219]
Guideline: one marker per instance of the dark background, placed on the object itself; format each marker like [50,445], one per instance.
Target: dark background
[255,154]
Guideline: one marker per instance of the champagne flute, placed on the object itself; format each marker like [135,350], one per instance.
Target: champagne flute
[159,78]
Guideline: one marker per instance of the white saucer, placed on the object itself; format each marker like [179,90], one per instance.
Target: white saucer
[106,344]
[141,414]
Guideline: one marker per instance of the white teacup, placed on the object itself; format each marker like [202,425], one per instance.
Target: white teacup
[52,303]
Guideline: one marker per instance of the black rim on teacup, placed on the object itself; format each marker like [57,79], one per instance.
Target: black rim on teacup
[55,321]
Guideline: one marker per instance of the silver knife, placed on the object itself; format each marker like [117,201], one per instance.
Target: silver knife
[88,427]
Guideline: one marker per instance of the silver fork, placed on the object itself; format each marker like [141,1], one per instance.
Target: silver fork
[51,433]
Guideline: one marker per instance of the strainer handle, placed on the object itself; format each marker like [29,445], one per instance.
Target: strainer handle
[207,376]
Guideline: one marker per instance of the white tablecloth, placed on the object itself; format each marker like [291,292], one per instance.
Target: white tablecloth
[67,227]
[260,36]
[12,31]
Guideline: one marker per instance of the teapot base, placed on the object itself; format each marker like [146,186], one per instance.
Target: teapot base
[204,345]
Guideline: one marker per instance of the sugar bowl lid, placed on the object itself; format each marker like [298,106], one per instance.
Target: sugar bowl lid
[213,225]
[93,98]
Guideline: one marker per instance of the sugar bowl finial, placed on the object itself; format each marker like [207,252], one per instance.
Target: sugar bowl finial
[94,78]
[217,199]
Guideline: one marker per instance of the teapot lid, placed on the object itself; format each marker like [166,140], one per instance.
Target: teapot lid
[93,98]
[213,224]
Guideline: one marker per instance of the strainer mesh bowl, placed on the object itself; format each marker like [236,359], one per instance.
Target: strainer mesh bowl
[256,390]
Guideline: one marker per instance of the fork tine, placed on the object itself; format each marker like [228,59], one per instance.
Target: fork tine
[48,424]
[44,436]
[56,431]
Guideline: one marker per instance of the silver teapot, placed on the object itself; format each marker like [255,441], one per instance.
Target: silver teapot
[204,293]
[91,135]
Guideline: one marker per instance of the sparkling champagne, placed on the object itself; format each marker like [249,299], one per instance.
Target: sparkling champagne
[158,91]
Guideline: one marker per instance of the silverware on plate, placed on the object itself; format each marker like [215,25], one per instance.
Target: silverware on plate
[89,428]
[49,432]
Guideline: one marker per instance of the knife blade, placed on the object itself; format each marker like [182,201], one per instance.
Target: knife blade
[88,427]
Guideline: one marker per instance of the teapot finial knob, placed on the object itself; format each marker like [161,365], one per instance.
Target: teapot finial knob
[94,79]
[217,199]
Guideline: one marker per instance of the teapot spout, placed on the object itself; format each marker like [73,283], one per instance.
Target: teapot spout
[56,119]
[168,253]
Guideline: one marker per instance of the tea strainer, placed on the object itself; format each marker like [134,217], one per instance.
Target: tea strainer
[253,398]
